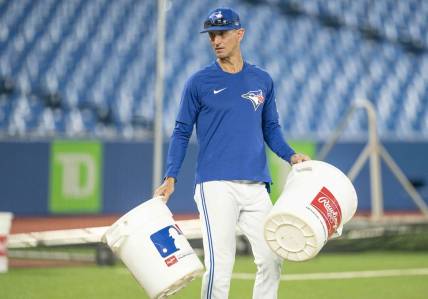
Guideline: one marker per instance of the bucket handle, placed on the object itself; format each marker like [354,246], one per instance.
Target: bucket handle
[337,233]
[119,232]
[116,235]
[302,168]
[161,198]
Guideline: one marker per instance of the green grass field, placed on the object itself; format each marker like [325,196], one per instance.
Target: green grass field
[115,282]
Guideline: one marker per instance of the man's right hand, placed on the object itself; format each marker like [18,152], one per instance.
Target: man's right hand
[166,189]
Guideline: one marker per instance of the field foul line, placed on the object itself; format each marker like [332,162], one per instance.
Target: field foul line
[341,275]
[330,275]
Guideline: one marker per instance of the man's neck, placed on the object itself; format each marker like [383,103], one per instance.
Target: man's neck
[232,64]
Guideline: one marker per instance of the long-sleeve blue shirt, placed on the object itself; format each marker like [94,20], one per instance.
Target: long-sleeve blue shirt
[234,115]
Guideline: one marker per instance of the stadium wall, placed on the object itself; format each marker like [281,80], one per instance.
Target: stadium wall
[92,177]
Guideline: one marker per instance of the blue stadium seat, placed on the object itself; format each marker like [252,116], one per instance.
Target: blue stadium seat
[100,53]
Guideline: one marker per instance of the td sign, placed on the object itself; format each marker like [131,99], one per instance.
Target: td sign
[75,177]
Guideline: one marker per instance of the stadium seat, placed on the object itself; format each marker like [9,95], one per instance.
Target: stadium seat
[321,54]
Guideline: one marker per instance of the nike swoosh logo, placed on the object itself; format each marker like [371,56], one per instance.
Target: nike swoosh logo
[220,90]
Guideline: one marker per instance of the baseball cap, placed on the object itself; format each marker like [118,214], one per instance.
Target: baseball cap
[222,19]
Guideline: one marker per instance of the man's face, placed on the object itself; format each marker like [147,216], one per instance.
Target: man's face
[226,43]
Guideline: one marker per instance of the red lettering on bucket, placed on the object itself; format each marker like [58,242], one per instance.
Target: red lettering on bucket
[3,249]
[171,261]
[326,204]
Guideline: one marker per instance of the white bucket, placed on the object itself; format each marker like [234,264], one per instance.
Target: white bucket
[317,200]
[154,249]
[5,223]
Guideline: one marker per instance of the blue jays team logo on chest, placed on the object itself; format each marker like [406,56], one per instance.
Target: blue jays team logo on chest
[256,97]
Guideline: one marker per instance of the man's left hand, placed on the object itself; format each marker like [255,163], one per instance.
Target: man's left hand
[298,158]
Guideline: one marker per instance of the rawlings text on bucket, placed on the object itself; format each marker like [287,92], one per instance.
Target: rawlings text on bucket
[325,203]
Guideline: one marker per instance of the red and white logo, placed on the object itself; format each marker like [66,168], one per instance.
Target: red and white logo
[171,261]
[326,204]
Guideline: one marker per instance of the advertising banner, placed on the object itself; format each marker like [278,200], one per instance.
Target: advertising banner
[75,177]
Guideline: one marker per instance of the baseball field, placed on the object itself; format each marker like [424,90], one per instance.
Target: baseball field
[400,275]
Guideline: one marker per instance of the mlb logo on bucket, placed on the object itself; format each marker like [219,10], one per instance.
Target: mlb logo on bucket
[166,242]
[3,249]
[326,204]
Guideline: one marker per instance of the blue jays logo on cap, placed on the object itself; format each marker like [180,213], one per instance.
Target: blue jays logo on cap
[165,240]
[256,97]
[216,15]
[222,19]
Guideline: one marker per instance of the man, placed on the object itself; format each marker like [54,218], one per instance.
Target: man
[233,105]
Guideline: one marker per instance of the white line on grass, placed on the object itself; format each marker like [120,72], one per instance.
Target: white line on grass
[341,275]
[329,275]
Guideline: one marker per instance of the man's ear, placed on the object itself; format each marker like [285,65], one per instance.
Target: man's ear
[241,33]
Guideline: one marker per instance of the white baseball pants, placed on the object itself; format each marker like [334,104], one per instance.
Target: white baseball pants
[222,205]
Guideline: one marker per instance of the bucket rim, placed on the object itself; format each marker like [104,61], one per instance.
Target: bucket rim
[131,213]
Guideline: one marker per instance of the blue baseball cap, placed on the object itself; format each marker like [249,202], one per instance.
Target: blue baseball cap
[222,19]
